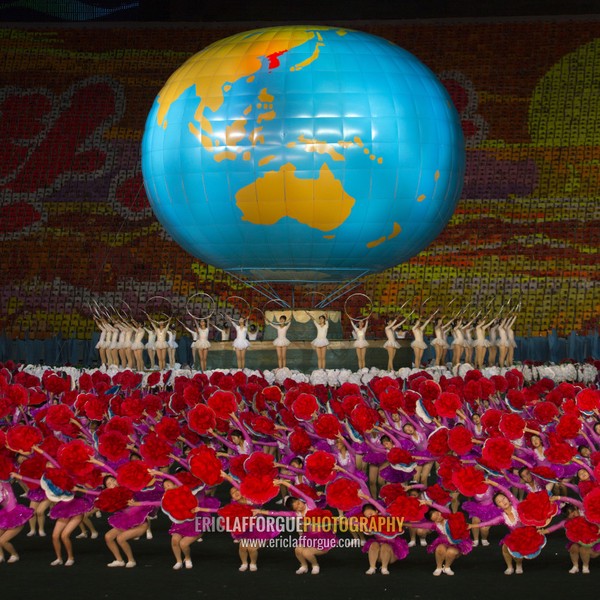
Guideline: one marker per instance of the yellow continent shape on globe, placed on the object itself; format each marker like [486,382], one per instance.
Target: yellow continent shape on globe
[319,203]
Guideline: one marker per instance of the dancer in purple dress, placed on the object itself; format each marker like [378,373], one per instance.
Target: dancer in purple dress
[13,517]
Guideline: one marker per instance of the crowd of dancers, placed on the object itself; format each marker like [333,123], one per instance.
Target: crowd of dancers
[480,340]
[449,458]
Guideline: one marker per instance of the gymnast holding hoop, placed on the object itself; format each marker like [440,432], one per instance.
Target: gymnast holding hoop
[281,342]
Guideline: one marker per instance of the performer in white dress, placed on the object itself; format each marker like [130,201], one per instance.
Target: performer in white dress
[360,341]
[480,343]
[321,342]
[512,344]
[439,342]
[200,343]
[418,344]
[241,343]
[503,342]
[138,346]
[173,345]
[493,340]
[151,347]
[281,342]
[102,342]
[161,329]
[458,342]
[391,344]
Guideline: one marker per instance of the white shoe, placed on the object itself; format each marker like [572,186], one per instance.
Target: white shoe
[412,544]
[149,535]
[475,543]
[188,564]
[485,543]
[253,567]
[244,567]
[384,571]
[177,566]
[130,564]
[81,536]
[42,533]
[70,562]
[30,533]
[448,571]
[423,542]
[315,570]
[56,563]
[509,571]
[13,559]
[371,571]
[94,535]
[438,572]
[585,570]
[301,571]
[116,563]
[574,570]
[519,570]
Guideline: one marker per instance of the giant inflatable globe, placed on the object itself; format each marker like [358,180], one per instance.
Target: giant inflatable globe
[303,154]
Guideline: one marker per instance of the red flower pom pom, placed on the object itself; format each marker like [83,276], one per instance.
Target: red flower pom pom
[588,400]
[430,390]
[113,445]
[113,499]
[544,472]
[487,388]
[179,503]
[272,393]
[308,490]
[342,493]
[22,438]
[512,426]
[581,531]
[258,489]
[205,465]
[60,478]
[236,518]
[348,389]
[560,453]
[591,505]
[497,453]
[299,441]
[236,466]
[408,507]
[448,464]
[469,481]
[568,427]
[525,542]
[168,429]
[545,412]
[437,443]
[123,425]
[436,493]
[391,399]
[499,383]
[327,426]
[391,491]
[55,384]
[460,440]
[7,466]
[456,527]
[134,475]
[74,457]
[363,418]
[262,425]
[95,408]
[472,392]
[536,509]
[223,403]
[260,463]
[305,406]
[34,468]
[490,419]
[399,456]
[155,451]
[201,418]
[59,418]
[186,478]
[447,405]
[319,467]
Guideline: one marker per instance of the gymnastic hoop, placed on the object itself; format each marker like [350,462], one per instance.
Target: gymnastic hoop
[204,295]
[358,295]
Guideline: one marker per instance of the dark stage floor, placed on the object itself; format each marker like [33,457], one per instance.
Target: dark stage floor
[215,575]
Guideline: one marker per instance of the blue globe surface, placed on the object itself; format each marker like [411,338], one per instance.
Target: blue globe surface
[303,154]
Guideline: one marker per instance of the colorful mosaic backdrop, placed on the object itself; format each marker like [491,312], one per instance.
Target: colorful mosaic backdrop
[75,223]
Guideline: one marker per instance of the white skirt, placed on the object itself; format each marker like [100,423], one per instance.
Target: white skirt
[173,345]
[151,346]
[389,344]
[481,343]
[417,344]
[280,343]
[201,344]
[137,346]
[361,344]
[241,344]
[161,345]
[320,343]
[440,343]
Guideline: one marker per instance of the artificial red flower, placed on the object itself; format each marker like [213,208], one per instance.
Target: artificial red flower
[512,425]
[235,517]
[591,505]
[55,384]
[260,463]
[307,490]
[33,467]
[95,408]
[391,491]
[305,406]
[299,441]
[588,400]
[17,394]
[342,493]
[536,509]
[155,451]
[460,440]
[74,457]
[516,400]
[113,445]
[401,457]
[487,388]
[262,425]
[437,442]
[545,412]
[223,403]
[448,404]
[123,425]
[525,542]
[448,464]
[568,427]
[472,392]
[499,383]
[391,399]
[201,418]
[490,419]
[497,453]
[319,467]
[205,465]
[560,453]
[59,418]
[7,466]
[456,527]
[581,531]
[134,475]
[179,503]
[153,405]
[327,426]
[168,429]
[59,478]
[348,389]
[408,507]
[272,393]
[113,499]
[22,438]
[236,465]
[543,472]
[436,493]
[469,481]
[430,390]
[133,408]
[258,489]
